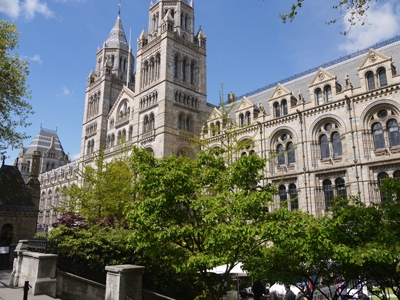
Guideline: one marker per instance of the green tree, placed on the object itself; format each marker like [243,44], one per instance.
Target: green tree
[103,194]
[300,249]
[354,10]
[367,240]
[14,110]
[198,214]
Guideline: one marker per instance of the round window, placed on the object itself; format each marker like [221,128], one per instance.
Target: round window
[328,126]
[382,114]
[284,137]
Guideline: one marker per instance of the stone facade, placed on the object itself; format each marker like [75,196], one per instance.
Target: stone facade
[329,131]
[332,131]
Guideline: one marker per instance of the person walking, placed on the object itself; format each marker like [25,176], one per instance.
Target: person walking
[289,294]
[362,296]
[258,289]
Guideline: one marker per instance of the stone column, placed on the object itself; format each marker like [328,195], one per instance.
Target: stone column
[16,272]
[123,281]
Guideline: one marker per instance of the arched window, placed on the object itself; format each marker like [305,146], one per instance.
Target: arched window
[284,107]
[281,155]
[294,201]
[370,80]
[282,194]
[213,131]
[184,70]
[130,133]
[381,177]
[393,129]
[319,97]
[248,118]
[341,188]
[396,175]
[328,193]
[241,120]
[324,144]
[176,66]
[277,110]
[382,77]
[218,124]
[336,144]
[151,122]
[180,122]
[192,73]
[328,93]
[290,153]
[146,124]
[188,126]
[377,133]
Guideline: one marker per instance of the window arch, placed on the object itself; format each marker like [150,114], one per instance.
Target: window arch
[180,122]
[294,201]
[393,131]
[281,155]
[382,77]
[290,153]
[377,133]
[336,144]
[328,193]
[241,120]
[328,93]
[277,110]
[284,107]
[370,80]
[324,145]
[285,150]
[319,97]
[341,187]
[381,177]
[248,118]
[176,67]
[282,195]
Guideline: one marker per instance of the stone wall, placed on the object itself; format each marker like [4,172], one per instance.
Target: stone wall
[72,287]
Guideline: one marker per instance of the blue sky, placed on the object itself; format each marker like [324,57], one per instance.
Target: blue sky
[248,47]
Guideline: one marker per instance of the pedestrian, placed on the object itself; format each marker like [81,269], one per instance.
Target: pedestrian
[289,294]
[302,293]
[258,289]
[362,296]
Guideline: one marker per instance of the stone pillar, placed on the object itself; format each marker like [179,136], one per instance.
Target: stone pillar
[16,272]
[40,270]
[123,281]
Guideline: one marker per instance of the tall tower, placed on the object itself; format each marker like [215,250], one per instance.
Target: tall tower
[114,70]
[170,88]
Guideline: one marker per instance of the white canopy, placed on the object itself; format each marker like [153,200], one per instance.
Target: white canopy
[237,269]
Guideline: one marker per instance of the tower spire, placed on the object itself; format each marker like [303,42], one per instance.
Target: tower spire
[119,8]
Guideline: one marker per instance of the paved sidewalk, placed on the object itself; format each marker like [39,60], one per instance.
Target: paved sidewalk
[17,293]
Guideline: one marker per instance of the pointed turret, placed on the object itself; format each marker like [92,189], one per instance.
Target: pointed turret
[117,38]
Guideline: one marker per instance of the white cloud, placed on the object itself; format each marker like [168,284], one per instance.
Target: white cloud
[27,9]
[66,91]
[36,58]
[10,7]
[382,23]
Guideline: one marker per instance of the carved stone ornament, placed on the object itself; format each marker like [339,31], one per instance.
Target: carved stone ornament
[321,76]
[372,57]
[279,91]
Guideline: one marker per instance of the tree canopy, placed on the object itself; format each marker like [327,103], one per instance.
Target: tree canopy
[14,110]
[198,214]
[103,194]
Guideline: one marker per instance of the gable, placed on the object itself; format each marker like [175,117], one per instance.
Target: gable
[280,92]
[215,114]
[322,76]
[124,94]
[244,104]
[373,58]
